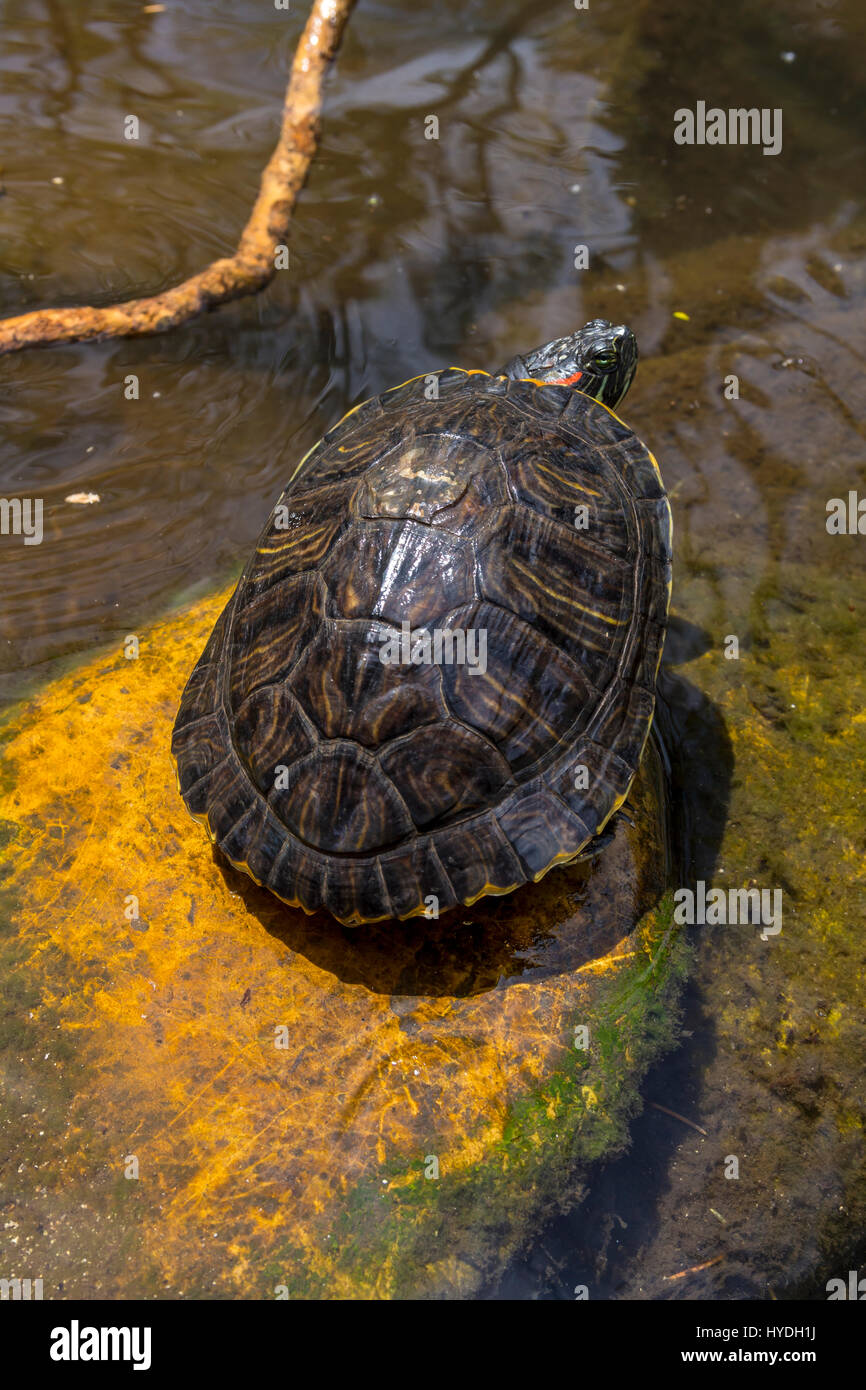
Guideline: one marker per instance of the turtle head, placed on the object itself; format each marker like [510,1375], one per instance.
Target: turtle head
[599,360]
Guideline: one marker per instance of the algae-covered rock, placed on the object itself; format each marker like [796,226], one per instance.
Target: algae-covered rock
[208,1093]
[780,1022]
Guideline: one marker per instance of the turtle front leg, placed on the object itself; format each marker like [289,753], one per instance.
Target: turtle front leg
[601,842]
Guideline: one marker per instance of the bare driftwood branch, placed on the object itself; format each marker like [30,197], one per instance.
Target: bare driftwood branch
[253,264]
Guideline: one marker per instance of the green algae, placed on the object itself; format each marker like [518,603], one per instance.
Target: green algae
[782,1084]
[551,1139]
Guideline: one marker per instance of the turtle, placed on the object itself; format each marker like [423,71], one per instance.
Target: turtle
[436,676]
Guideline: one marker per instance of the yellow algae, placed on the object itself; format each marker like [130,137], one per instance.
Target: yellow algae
[278,1083]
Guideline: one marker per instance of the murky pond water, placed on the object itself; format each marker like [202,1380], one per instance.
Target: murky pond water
[556,130]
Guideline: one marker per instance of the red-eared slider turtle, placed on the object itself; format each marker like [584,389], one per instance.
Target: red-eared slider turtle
[436,675]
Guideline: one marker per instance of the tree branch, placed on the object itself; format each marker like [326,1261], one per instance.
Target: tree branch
[253,264]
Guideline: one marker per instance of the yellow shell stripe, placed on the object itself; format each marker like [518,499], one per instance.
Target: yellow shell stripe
[561,598]
[467,371]
[578,487]
[288,544]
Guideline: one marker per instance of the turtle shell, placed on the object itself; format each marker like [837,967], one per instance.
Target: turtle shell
[346,760]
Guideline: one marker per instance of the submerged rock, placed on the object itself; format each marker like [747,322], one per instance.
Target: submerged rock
[210,1094]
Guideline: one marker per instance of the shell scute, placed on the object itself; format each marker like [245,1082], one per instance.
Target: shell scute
[338,800]
[574,594]
[398,571]
[269,634]
[542,829]
[491,866]
[528,696]
[443,771]
[348,692]
[271,733]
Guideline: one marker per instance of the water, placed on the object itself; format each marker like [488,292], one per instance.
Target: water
[555,130]
[408,254]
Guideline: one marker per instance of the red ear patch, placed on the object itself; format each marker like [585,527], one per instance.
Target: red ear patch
[567,380]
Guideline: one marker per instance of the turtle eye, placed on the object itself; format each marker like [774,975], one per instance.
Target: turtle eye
[605,359]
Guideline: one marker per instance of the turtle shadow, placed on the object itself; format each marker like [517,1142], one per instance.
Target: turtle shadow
[603,1242]
[496,942]
[700,754]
